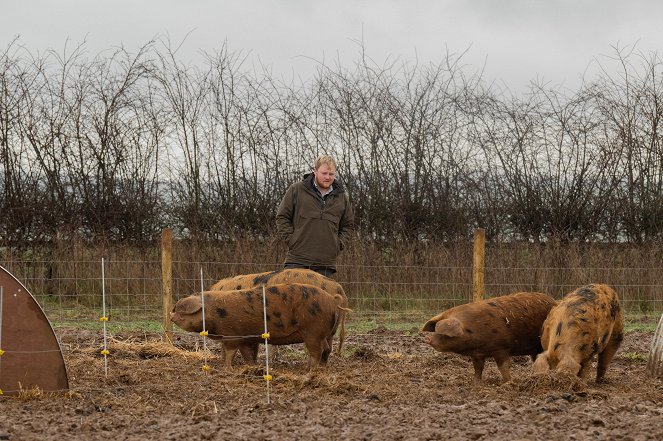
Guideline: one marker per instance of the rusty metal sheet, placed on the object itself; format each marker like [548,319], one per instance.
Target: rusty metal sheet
[32,354]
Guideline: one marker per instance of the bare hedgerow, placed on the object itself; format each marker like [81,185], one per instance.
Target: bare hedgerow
[114,146]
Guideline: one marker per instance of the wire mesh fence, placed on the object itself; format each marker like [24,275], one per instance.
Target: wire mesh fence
[70,292]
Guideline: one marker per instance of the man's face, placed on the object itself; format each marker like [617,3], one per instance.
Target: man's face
[324,176]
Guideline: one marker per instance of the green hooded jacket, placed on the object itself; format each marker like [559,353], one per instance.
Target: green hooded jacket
[316,229]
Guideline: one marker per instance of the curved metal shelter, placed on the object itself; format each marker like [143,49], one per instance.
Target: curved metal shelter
[655,361]
[31,354]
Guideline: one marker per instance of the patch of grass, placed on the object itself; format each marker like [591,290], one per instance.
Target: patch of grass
[362,323]
[641,322]
[113,326]
[119,319]
[639,327]
[362,326]
[348,351]
[634,356]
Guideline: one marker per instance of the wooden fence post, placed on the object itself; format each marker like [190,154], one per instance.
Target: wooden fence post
[478,264]
[167,280]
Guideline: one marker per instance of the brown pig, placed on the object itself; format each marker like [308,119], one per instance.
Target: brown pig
[291,275]
[498,327]
[586,321]
[296,313]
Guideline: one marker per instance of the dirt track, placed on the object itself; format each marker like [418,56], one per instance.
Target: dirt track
[387,386]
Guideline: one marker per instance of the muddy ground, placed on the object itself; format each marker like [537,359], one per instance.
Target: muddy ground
[386,385]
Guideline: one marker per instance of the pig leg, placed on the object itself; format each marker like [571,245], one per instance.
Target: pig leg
[230,349]
[223,354]
[328,349]
[478,362]
[503,360]
[584,369]
[315,347]
[249,352]
[604,360]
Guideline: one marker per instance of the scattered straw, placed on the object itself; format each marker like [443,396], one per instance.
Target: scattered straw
[30,394]
[150,349]
[159,349]
[551,381]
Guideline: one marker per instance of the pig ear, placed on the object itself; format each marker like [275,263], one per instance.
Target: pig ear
[449,327]
[190,305]
[430,324]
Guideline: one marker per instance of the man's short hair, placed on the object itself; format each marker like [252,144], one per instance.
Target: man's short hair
[324,159]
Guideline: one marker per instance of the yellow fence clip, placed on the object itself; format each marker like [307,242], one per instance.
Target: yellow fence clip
[0,391]
[204,333]
[206,367]
[105,352]
[103,319]
[267,377]
[265,336]
[1,352]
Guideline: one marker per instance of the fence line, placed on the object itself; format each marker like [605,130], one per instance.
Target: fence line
[144,289]
[393,292]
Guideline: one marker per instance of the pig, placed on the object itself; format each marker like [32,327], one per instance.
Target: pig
[586,322]
[248,350]
[291,275]
[296,313]
[498,327]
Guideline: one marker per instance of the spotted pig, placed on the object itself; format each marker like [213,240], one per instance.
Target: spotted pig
[586,322]
[498,327]
[296,313]
[291,275]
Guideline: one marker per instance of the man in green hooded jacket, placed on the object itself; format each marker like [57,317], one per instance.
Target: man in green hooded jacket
[315,219]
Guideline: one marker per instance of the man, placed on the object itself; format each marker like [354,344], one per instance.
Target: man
[315,219]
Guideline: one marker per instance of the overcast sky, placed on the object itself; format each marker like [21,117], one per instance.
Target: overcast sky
[517,40]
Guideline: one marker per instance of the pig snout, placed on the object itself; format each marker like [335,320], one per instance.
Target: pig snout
[435,340]
[176,318]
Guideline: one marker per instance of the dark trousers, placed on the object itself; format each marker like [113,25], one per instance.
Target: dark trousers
[325,271]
